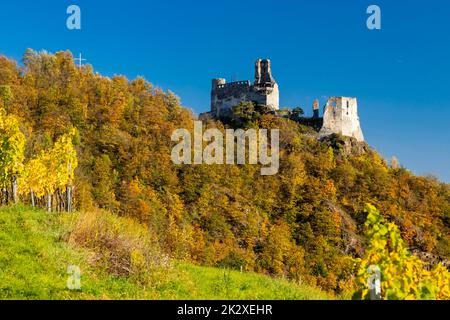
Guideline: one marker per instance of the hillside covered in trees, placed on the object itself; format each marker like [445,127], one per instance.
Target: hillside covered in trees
[305,223]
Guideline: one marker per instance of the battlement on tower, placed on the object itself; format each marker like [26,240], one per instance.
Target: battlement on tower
[224,90]
[264,90]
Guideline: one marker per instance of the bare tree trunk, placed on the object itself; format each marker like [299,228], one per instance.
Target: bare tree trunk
[69,191]
[69,198]
[3,196]
[54,202]
[57,200]
[32,197]
[14,189]
[62,201]
[49,203]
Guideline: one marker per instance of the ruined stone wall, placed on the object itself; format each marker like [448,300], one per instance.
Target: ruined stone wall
[341,116]
[264,90]
[266,95]
[227,95]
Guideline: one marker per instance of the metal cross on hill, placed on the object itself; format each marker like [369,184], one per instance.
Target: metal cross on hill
[80,61]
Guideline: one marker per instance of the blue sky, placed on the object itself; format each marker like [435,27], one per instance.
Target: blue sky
[400,74]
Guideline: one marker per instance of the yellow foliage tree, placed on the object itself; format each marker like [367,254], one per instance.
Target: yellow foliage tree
[51,170]
[63,159]
[12,147]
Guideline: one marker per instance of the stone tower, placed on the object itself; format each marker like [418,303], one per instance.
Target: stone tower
[341,116]
[263,73]
[264,90]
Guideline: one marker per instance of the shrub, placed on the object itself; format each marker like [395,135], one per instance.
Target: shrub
[403,276]
[123,246]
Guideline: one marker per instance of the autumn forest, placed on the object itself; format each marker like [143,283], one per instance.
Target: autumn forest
[74,140]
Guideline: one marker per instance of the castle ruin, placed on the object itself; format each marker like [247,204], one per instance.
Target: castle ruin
[264,90]
[340,115]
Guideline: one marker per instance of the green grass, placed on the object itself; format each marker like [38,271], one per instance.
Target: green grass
[34,258]
[212,283]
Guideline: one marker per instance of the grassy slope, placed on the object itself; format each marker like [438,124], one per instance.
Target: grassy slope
[34,260]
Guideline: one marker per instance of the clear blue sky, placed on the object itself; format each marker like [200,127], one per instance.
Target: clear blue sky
[318,48]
